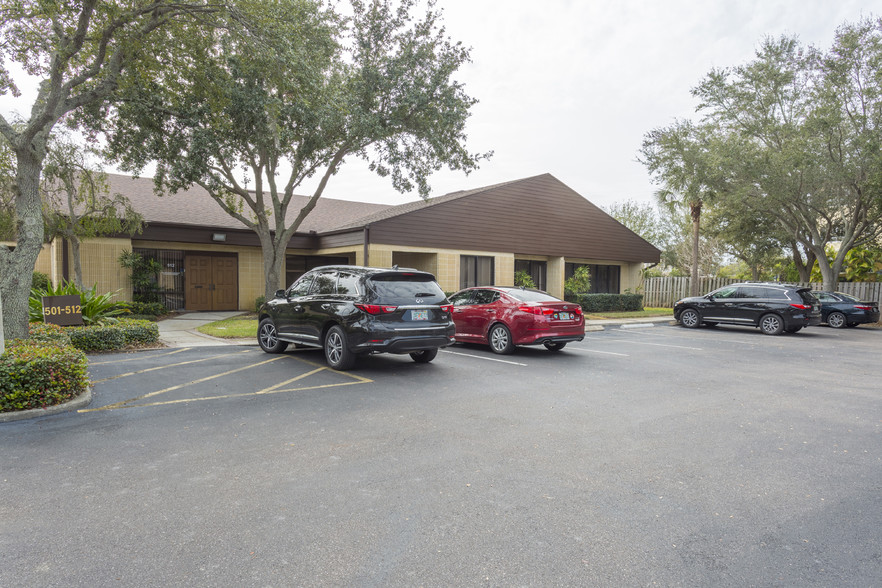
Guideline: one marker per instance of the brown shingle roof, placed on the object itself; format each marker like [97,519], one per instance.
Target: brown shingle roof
[195,207]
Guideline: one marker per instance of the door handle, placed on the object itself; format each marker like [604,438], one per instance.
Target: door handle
[298,308]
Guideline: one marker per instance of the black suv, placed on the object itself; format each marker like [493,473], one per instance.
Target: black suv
[772,307]
[351,311]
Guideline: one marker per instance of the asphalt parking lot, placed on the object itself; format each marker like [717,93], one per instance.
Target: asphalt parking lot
[647,456]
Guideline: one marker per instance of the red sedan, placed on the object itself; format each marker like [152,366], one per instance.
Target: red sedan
[503,317]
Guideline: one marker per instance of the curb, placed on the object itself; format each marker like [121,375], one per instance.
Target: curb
[80,401]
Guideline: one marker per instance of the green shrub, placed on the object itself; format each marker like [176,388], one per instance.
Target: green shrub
[142,317]
[153,309]
[610,302]
[523,279]
[36,375]
[96,308]
[578,283]
[119,335]
[48,333]
[97,338]
[138,332]
[40,281]
[258,302]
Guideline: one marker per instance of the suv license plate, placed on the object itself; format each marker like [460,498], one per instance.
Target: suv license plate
[419,315]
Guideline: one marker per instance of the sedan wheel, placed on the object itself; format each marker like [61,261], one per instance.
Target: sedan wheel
[836,320]
[268,338]
[500,339]
[689,318]
[771,324]
[337,351]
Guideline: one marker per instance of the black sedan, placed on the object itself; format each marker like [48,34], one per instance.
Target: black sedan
[843,310]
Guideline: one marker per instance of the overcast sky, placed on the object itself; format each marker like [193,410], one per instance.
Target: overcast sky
[570,87]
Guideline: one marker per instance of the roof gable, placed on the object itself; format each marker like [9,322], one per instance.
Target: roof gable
[538,215]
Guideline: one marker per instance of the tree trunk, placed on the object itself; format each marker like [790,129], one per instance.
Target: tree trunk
[695,211]
[803,267]
[17,267]
[78,268]
[273,265]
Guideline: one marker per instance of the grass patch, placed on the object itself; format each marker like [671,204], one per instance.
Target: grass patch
[646,312]
[237,327]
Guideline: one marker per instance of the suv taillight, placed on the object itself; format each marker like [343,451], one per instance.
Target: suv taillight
[448,308]
[376,308]
[802,306]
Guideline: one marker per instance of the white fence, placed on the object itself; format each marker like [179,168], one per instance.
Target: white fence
[663,292]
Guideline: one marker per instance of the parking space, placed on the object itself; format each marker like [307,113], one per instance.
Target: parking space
[651,456]
[189,375]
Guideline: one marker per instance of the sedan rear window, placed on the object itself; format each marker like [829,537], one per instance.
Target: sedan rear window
[532,296]
[404,289]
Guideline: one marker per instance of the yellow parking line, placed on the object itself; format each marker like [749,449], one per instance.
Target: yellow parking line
[139,358]
[275,389]
[179,386]
[204,398]
[144,371]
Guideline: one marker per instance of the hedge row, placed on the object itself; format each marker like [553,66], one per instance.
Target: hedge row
[608,302]
[118,335]
[37,374]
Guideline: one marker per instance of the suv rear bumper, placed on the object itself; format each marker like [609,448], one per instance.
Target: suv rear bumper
[403,344]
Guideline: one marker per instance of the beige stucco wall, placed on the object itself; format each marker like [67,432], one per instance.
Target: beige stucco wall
[98,259]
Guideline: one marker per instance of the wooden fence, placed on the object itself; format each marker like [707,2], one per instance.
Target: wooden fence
[663,292]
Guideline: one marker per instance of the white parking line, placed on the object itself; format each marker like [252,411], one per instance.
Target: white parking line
[571,348]
[484,358]
[666,345]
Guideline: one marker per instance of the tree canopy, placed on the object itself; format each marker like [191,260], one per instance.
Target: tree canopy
[78,53]
[251,122]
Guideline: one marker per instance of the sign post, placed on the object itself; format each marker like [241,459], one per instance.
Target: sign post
[62,310]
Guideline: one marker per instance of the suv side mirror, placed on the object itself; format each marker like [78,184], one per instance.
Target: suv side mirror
[280,294]
[710,297]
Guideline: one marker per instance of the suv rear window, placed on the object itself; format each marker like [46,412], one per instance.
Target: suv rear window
[405,289]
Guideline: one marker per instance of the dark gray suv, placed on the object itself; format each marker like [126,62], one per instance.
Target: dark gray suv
[350,311]
[773,308]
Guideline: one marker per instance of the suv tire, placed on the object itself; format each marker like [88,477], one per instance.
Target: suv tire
[771,324]
[337,352]
[424,356]
[690,318]
[268,338]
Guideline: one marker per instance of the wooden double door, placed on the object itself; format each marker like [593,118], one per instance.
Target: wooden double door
[212,282]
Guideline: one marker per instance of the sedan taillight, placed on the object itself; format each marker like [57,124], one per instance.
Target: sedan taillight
[536,310]
[376,308]
[863,307]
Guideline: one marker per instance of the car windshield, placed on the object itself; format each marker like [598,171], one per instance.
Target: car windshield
[532,296]
[406,289]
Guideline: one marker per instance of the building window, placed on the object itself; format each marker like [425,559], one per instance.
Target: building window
[536,270]
[604,278]
[297,265]
[475,270]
